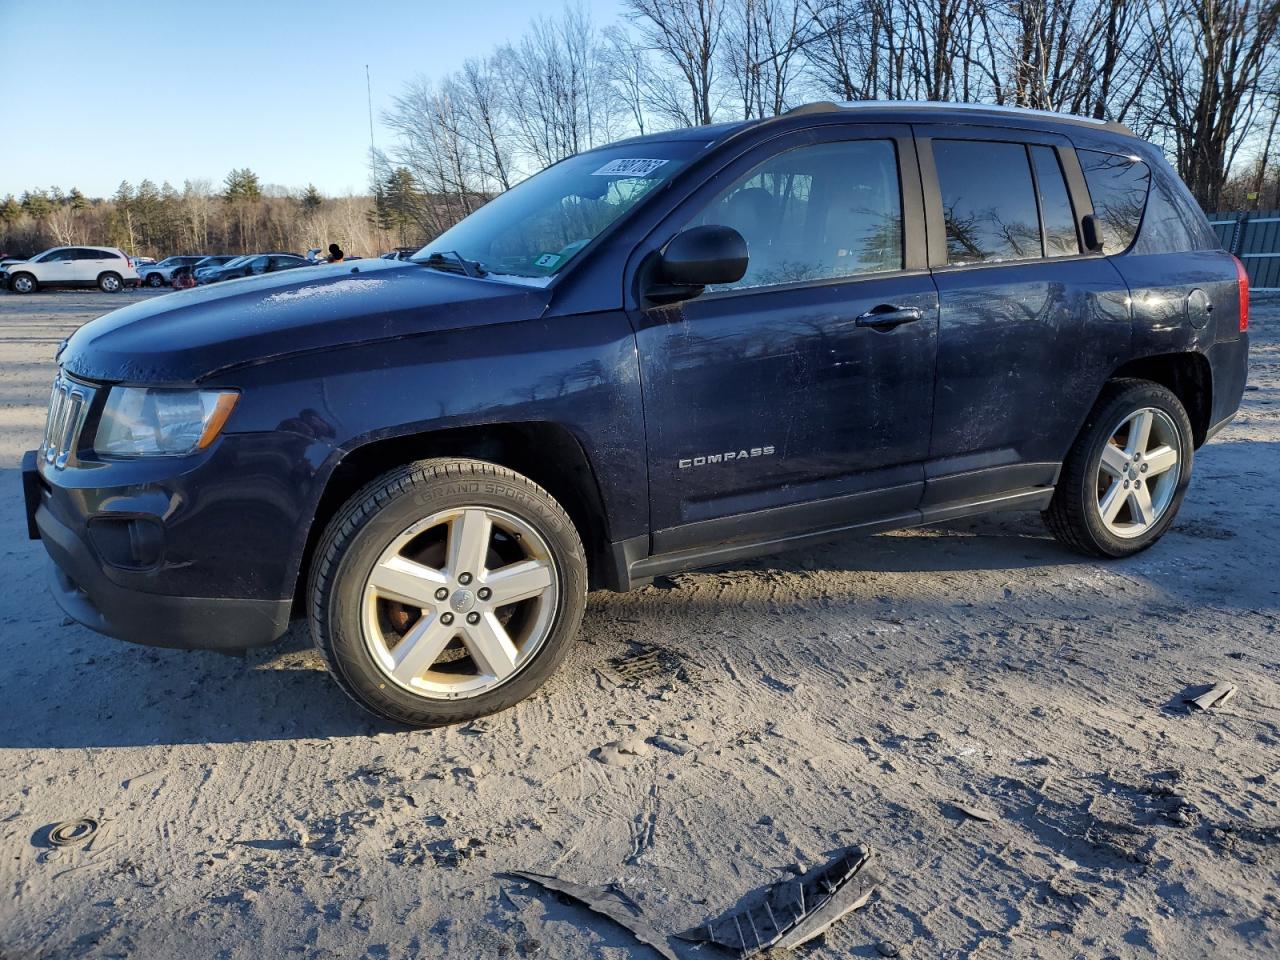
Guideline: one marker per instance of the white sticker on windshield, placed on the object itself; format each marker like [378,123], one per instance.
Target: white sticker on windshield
[628,168]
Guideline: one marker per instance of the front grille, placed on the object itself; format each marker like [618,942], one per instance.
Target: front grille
[68,405]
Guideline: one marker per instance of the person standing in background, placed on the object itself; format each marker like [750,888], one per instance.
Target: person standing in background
[335,253]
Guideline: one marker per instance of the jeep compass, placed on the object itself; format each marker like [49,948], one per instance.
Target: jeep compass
[671,352]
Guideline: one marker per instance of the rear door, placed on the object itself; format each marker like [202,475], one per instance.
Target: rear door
[1030,326]
[89,263]
[781,403]
[285,263]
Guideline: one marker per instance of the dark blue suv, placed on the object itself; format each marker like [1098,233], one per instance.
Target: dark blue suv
[675,351]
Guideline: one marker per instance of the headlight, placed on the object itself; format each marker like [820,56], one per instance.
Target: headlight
[159,421]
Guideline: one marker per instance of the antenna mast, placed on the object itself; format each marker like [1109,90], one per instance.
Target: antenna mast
[368,88]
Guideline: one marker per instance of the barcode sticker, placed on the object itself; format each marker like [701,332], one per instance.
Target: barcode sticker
[628,168]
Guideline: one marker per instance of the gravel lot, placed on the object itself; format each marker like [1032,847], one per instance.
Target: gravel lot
[848,694]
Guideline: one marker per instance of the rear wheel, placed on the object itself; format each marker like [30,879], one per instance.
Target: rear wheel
[110,283]
[445,590]
[22,283]
[1124,480]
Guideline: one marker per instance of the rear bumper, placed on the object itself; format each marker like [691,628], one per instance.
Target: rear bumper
[81,587]
[1229,362]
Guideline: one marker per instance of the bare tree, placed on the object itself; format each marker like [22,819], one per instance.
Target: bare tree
[686,33]
[556,88]
[1214,62]
[762,52]
[477,90]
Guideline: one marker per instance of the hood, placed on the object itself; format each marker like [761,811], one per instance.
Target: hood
[184,336]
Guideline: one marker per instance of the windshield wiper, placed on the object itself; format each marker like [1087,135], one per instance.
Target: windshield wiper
[449,259]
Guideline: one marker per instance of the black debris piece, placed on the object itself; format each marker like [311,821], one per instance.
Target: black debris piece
[1215,696]
[794,910]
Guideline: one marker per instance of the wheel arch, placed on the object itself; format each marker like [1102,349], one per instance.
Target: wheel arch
[548,453]
[1190,377]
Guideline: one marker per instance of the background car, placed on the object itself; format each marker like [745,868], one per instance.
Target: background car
[210,265]
[158,274]
[400,253]
[255,264]
[106,268]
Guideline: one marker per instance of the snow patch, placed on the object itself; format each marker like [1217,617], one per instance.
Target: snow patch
[325,290]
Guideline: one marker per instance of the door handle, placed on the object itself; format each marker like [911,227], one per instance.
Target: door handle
[887,316]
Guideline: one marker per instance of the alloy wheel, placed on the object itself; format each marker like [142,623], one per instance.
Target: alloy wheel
[460,602]
[1138,473]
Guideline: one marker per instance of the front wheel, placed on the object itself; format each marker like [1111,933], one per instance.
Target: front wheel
[1123,481]
[155,280]
[445,590]
[110,283]
[22,283]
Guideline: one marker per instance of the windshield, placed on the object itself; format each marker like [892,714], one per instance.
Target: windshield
[530,232]
[238,261]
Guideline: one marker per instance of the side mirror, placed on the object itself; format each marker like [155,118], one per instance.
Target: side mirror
[1092,230]
[696,258]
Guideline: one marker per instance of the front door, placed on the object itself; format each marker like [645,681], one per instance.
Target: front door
[58,266]
[801,396]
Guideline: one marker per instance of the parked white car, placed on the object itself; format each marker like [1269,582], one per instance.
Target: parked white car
[159,274]
[106,268]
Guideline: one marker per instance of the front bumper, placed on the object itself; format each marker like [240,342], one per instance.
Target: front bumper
[83,589]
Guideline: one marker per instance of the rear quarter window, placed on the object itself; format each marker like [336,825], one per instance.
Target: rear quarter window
[1173,222]
[1118,188]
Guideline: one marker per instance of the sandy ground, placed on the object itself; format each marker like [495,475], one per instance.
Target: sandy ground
[848,694]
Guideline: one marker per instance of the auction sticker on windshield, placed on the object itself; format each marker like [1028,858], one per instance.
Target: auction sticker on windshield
[628,168]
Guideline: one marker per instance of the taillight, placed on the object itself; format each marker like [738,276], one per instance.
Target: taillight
[1242,280]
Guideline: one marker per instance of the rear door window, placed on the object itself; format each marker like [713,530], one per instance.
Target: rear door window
[1056,214]
[1118,189]
[988,201]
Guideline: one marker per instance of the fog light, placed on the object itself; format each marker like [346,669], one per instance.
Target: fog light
[134,543]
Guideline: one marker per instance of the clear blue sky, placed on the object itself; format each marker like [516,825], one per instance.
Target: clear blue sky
[109,91]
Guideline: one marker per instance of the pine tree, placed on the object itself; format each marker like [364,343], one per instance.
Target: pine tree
[380,216]
[77,200]
[242,184]
[10,210]
[35,204]
[403,201]
[311,200]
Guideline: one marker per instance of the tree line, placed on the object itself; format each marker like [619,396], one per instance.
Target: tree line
[242,216]
[1199,77]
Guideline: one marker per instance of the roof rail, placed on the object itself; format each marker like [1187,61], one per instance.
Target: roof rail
[827,106]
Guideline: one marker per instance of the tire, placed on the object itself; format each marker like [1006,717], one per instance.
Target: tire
[23,283]
[435,518]
[110,282]
[1144,480]
[155,280]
